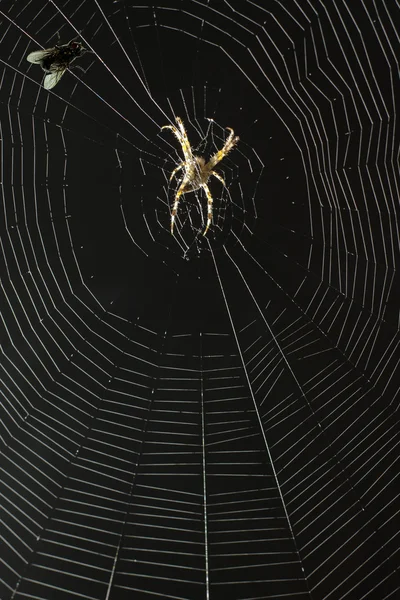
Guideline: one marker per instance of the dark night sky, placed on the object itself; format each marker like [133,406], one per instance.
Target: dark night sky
[186,416]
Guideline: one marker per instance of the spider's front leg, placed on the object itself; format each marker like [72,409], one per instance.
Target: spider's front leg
[182,138]
[175,131]
[227,147]
[230,142]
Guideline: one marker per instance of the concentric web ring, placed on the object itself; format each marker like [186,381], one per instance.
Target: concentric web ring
[196,416]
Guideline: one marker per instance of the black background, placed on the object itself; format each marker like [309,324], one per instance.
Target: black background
[191,417]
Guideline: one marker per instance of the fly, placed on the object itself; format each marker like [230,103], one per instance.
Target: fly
[55,61]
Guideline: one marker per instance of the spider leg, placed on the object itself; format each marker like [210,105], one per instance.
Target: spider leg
[218,176]
[227,147]
[175,206]
[182,138]
[182,130]
[174,130]
[209,206]
[176,170]
[186,148]
[230,136]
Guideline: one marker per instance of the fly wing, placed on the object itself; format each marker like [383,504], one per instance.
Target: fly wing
[53,78]
[37,56]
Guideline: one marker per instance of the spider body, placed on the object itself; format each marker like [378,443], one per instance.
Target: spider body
[196,171]
[196,174]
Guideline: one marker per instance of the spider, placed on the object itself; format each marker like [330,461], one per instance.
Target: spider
[196,172]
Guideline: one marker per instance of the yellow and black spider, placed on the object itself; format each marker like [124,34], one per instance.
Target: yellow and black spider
[196,172]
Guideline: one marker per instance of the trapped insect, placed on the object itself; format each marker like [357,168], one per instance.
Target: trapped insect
[55,61]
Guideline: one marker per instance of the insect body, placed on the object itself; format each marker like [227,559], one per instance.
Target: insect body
[55,61]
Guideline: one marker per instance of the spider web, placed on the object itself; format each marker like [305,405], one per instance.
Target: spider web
[186,416]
